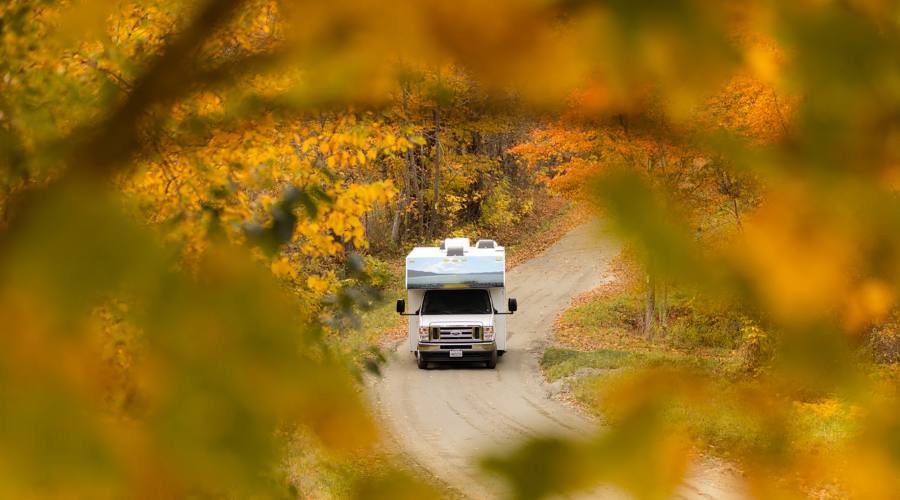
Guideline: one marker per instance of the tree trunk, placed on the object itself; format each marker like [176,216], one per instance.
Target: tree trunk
[737,214]
[409,173]
[395,226]
[438,150]
[664,308]
[732,190]
[367,231]
[415,202]
[649,306]
[420,200]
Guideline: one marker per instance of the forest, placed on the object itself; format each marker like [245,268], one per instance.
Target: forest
[204,208]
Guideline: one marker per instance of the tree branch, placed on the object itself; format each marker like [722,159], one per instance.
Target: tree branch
[103,148]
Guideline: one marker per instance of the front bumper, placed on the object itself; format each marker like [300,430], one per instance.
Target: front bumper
[474,351]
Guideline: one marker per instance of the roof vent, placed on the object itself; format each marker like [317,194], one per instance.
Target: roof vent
[456,247]
[486,244]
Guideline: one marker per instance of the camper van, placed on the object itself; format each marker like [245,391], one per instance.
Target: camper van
[456,302]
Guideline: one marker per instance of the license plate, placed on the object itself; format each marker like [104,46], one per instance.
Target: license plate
[455,353]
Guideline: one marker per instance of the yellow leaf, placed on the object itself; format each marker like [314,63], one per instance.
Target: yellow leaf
[308,143]
[282,268]
[317,284]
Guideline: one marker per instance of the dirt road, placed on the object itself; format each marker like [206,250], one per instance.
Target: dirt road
[445,418]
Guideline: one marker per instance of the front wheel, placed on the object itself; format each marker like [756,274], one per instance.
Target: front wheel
[420,361]
[492,363]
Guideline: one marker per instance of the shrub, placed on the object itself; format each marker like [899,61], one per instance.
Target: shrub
[380,272]
[496,212]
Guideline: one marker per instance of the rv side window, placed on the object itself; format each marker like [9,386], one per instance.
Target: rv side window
[456,302]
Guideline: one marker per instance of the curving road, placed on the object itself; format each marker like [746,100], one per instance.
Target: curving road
[447,417]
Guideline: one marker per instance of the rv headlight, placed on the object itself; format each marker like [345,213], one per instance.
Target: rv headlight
[489,333]
[423,333]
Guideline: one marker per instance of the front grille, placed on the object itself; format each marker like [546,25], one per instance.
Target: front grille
[456,333]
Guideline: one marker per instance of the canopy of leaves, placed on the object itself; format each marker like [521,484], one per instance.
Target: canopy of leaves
[162,160]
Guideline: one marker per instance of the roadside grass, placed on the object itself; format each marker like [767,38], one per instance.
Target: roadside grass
[599,350]
[612,317]
[377,326]
[722,423]
[617,312]
[725,428]
[560,363]
[381,324]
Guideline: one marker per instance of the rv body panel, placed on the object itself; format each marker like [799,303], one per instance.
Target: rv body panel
[414,304]
[498,297]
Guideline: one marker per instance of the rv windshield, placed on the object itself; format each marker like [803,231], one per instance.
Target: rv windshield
[456,302]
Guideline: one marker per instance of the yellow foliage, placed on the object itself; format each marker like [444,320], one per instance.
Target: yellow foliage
[283,268]
[318,285]
[145,145]
[801,266]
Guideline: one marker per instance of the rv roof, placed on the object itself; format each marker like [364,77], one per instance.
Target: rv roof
[470,251]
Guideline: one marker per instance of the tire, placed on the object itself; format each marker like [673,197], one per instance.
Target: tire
[420,362]
[492,363]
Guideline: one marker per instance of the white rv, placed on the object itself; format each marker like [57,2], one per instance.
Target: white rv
[456,302]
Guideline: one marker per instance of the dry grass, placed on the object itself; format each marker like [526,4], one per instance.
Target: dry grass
[603,318]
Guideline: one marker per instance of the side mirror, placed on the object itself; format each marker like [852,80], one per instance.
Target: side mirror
[401,306]
[513,306]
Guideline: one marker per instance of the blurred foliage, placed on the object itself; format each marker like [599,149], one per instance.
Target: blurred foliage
[163,160]
[224,359]
[774,193]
